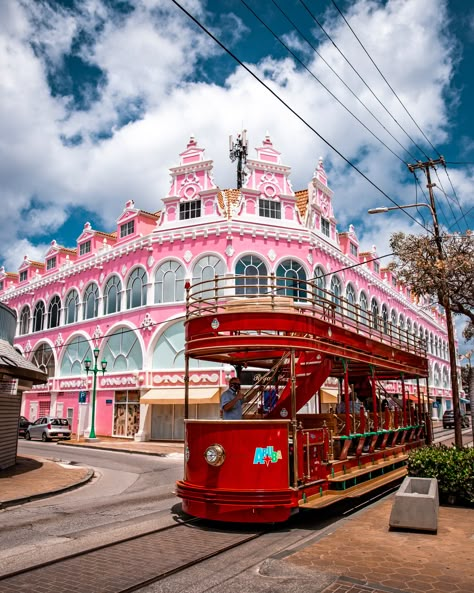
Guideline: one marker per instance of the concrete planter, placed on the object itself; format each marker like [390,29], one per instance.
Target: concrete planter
[416,505]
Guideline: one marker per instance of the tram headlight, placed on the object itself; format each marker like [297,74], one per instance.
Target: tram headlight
[215,455]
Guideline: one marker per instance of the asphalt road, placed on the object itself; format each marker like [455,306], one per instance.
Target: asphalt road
[130,494]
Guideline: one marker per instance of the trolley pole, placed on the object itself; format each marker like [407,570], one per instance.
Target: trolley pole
[427,166]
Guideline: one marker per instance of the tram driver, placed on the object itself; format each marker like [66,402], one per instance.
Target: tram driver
[231,401]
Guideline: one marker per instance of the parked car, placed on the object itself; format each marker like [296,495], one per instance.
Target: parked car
[23,424]
[448,419]
[48,427]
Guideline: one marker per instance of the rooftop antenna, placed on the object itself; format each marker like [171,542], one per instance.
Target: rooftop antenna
[238,151]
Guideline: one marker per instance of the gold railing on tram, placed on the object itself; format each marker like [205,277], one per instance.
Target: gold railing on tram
[225,294]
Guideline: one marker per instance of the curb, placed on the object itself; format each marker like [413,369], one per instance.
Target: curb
[136,452]
[17,501]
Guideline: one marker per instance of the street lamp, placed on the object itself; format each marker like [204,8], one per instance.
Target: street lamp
[95,370]
[446,305]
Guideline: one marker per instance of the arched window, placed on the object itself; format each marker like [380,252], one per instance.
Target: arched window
[38,317]
[136,288]
[72,307]
[394,324]
[351,301]
[320,282]
[401,325]
[169,282]
[25,321]
[169,351]
[43,358]
[374,309]
[445,377]
[437,375]
[431,343]
[204,272]
[251,275]
[384,319]
[112,291]
[54,312]
[91,301]
[364,308]
[292,278]
[336,290]
[123,352]
[76,352]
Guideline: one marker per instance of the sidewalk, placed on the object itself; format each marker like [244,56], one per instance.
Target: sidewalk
[365,557]
[34,477]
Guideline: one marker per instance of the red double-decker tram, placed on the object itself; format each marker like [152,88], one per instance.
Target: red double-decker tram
[277,460]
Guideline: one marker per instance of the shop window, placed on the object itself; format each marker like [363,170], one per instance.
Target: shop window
[126,413]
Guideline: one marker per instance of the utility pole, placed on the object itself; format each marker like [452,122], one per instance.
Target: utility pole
[427,166]
[238,151]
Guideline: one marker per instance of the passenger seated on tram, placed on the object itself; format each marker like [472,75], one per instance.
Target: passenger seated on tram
[354,405]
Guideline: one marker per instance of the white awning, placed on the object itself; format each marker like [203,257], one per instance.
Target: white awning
[175,395]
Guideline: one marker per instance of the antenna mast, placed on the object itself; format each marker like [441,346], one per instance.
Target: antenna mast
[238,151]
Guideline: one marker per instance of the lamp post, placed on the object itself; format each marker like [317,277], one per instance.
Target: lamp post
[95,370]
[446,305]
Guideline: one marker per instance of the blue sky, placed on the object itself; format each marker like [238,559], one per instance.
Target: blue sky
[98,97]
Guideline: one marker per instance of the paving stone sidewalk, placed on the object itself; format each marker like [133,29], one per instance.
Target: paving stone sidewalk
[34,477]
[368,557]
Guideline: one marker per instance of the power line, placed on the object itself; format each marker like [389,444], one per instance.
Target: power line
[360,77]
[455,195]
[448,199]
[388,84]
[290,51]
[292,23]
[247,69]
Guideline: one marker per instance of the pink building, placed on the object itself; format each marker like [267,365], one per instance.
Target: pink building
[124,291]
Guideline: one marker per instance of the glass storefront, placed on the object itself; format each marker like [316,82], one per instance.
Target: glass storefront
[126,413]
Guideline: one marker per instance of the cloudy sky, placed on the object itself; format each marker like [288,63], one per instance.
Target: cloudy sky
[98,97]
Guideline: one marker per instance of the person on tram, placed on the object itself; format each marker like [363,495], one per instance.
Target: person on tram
[231,401]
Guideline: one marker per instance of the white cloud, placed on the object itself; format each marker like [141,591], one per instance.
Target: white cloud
[151,58]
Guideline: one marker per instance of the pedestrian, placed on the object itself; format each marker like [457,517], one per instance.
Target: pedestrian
[231,401]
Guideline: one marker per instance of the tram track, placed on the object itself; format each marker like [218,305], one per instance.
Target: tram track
[132,563]
[140,560]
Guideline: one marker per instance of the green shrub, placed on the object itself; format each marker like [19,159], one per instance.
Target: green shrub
[453,468]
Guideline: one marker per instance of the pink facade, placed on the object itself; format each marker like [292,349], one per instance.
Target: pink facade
[123,291]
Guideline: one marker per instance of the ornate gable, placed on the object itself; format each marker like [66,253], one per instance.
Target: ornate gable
[128,213]
[193,175]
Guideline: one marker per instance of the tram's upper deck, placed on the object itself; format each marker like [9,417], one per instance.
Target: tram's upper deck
[237,319]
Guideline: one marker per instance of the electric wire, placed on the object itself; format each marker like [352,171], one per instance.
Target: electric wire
[362,80]
[448,199]
[386,81]
[295,113]
[290,51]
[293,24]
[455,195]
